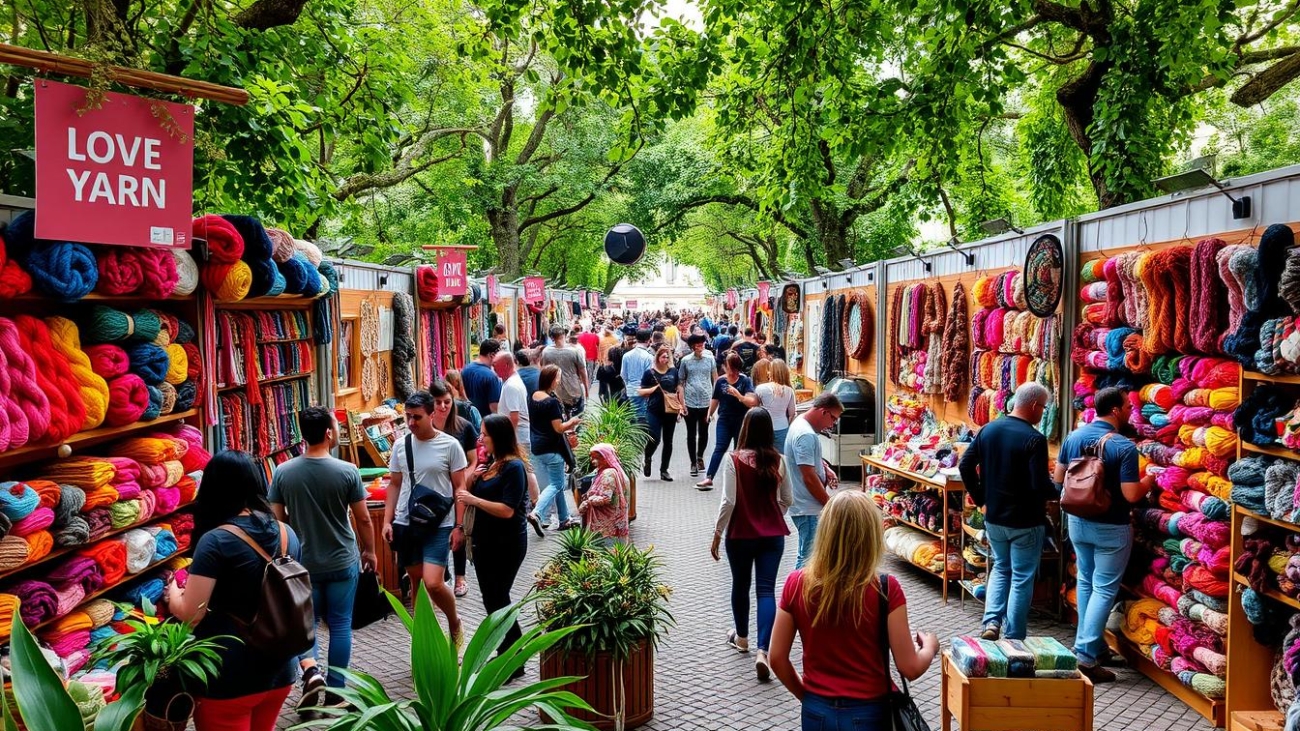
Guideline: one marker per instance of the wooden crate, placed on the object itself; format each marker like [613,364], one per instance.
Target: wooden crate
[1013,704]
[1256,721]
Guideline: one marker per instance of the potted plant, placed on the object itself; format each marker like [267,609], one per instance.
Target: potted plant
[42,703]
[167,662]
[614,597]
[614,422]
[457,695]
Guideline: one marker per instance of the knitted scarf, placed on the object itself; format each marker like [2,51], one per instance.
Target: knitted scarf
[1208,299]
[933,325]
[955,345]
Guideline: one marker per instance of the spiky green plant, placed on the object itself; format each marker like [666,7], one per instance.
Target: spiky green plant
[615,422]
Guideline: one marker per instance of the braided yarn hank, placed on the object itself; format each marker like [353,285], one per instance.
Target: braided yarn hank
[94,390]
[404,350]
[1208,299]
[54,373]
[24,388]
[956,346]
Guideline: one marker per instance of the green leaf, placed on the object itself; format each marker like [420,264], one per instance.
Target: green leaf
[43,704]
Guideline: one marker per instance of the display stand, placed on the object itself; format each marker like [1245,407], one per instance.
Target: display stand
[950,491]
[1052,556]
[1013,704]
[443,343]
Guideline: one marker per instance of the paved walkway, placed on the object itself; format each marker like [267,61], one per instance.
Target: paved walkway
[701,683]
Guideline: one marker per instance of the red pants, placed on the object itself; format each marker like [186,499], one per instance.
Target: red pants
[256,712]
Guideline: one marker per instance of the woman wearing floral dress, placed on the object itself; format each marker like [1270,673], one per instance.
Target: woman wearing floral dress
[605,508]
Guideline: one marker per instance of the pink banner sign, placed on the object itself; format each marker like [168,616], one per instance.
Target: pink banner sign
[534,290]
[731,299]
[493,293]
[450,269]
[764,290]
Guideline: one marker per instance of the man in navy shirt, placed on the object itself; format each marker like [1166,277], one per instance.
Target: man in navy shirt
[635,363]
[1005,473]
[1102,544]
[482,387]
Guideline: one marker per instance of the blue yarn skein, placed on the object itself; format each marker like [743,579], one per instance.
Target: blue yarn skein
[149,362]
[164,545]
[321,308]
[155,404]
[295,275]
[257,253]
[65,270]
[151,589]
[277,285]
[21,505]
[311,286]
[185,394]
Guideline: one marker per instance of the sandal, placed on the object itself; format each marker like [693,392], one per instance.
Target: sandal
[704,485]
[462,589]
[740,643]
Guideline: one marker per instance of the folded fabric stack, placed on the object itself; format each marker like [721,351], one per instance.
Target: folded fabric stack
[1051,658]
[921,549]
[977,658]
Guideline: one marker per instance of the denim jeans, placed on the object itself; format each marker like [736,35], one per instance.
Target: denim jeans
[843,714]
[806,525]
[641,405]
[1016,555]
[780,439]
[727,432]
[553,466]
[1102,552]
[747,557]
[332,597]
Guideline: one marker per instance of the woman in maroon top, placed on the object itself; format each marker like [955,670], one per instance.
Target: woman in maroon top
[834,605]
[756,490]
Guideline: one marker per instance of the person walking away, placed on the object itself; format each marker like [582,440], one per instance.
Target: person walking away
[756,492]
[1102,544]
[464,408]
[315,493]
[224,589]
[748,350]
[722,343]
[446,418]
[547,429]
[813,482]
[761,372]
[610,382]
[590,343]
[514,406]
[662,390]
[697,372]
[573,385]
[608,341]
[499,499]
[528,373]
[733,395]
[605,507]
[635,363]
[1006,475]
[482,387]
[438,463]
[777,396]
[835,606]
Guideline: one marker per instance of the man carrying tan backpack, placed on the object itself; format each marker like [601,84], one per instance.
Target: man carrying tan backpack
[1102,542]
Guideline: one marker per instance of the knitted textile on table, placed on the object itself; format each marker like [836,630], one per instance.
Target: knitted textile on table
[404,350]
[956,346]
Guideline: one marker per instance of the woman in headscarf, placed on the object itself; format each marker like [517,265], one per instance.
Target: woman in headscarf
[605,507]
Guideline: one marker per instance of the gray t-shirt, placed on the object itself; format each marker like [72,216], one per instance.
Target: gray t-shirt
[803,448]
[571,363]
[435,460]
[317,494]
[698,375]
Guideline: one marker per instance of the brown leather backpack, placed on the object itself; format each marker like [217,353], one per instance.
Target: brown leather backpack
[283,624]
[1084,493]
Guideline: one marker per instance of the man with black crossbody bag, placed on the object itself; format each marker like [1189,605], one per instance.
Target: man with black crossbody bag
[421,519]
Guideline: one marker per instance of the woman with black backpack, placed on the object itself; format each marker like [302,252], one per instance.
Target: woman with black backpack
[234,534]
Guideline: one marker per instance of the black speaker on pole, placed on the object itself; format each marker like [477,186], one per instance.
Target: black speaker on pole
[624,244]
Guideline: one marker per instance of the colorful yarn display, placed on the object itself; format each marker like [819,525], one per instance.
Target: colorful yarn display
[228,282]
[225,244]
[94,390]
[187,273]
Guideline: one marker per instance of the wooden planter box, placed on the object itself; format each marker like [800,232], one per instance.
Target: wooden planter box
[1013,704]
[599,687]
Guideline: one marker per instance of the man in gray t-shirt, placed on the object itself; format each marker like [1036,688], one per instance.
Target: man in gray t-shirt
[697,372]
[812,481]
[315,493]
[573,371]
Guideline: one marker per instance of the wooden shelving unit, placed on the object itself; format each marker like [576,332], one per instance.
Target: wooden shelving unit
[265,382]
[88,438]
[946,488]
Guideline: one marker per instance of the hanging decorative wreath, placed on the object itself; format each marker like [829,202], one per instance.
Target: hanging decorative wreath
[1043,275]
[856,327]
[790,299]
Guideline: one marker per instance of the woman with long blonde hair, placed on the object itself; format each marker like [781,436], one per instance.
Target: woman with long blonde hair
[834,603]
[776,395]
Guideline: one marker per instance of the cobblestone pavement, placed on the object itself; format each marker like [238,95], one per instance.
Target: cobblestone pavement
[701,683]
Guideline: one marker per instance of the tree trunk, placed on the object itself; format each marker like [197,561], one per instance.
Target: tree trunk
[1077,98]
[504,225]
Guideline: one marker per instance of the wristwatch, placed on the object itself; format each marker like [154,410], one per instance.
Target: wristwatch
[460,526]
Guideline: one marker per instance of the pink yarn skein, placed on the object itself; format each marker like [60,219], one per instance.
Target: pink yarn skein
[24,390]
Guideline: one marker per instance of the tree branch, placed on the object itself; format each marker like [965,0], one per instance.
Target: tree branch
[535,137]
[266,14]
[1267,82]
[361,182]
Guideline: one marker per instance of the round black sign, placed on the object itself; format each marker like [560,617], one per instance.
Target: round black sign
[624,244]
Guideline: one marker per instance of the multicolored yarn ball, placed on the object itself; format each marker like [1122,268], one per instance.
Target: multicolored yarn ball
[187,273]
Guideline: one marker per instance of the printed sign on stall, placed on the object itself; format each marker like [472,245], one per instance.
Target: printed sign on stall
[764,289]
[593,300]
[450,270]
[534,290]
[118,173]
[493,294]
[630,304]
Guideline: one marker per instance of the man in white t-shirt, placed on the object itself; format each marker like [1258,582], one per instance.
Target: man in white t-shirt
[439,464]
[514,405]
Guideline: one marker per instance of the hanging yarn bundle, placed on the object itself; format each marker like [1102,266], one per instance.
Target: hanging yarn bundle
[955,346]
[324,307]
[1208,298]
[1260,290]
[404,350]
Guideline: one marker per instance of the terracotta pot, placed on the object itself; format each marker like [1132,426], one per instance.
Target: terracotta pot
[599,687]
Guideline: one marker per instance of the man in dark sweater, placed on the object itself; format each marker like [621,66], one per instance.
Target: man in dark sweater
[1005,471]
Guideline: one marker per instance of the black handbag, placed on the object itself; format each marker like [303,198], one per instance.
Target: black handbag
[370,604]
[426,507]
[903,713]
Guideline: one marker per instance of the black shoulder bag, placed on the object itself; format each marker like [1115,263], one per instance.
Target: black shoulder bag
[426,507]
[903,713]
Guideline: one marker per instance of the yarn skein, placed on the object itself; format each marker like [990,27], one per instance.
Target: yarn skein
[94,389]
[187,273]
[53,371]
[225,244]
[24,389]
[127,401]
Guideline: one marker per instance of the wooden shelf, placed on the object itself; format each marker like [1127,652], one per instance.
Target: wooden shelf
[180,552]
[1265,519]
[61,552]
[265,382]
[97,298]
[939,482]
[1281,452]
[88,438]
[308,338]
[1269,592]
[1262,378]
[280,302]
[918,526]
[1212,709]
[972,532]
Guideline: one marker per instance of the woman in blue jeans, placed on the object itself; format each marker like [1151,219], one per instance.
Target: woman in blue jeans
[733,395]
[756,491]
[546,428]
